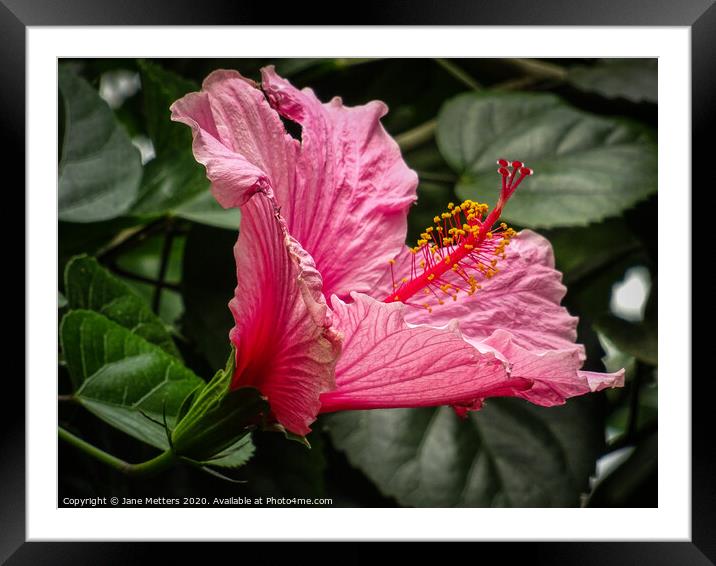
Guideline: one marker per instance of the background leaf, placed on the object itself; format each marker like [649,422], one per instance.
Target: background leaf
[204,209]
[90,286]
[119,375]
[234,456]
[174,183]
[586,167]
[100,170]
[509,454]
[200,279]
[144,260]
[636,339]
[208,282]
[632,483]
[632,79]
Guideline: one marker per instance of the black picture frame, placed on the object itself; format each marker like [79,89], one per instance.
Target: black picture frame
[698,15]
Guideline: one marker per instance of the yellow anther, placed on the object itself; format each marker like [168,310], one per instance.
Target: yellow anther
[404,280]
[436,219]
[451,205]
[431,277]
[391,261]
[469,247]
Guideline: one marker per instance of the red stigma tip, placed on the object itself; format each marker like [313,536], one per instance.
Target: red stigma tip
[526,171]
[517,164]
[503,171]
[503,162]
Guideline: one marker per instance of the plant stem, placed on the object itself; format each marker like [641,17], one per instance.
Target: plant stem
[148,280]
[416,136]
[437,177]
[153,466]
[129,238]
[516,84]
[344,63]
[633,423]
[540,69]
[459,74]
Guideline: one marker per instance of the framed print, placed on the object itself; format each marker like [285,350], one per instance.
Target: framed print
[372,282]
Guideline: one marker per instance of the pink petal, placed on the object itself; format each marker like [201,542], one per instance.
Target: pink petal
[286,346]
[555,373]
[344,189]
[239,138]
[353,189]
[517,314]
[388,363]
[524,298]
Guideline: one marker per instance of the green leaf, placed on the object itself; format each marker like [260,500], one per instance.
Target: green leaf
[123,379]
[586,167]
[174,183]
[634,483]
[583,251]
[160,88]
[173,176]
[235,455]
[169,181]
[205,210]
[636,339]
[100,170]
[218,416]
[632,79]
[90,286]
[510,453]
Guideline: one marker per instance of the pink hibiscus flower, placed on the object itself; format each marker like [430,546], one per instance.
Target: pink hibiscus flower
[332,311]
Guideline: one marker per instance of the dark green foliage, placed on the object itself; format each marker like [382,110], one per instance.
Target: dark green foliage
[147,271]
